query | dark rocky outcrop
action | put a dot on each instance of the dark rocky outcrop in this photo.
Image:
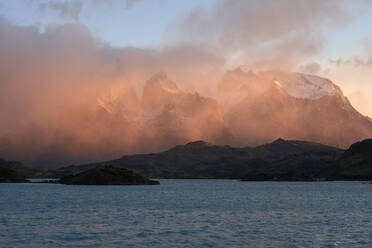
(356, 162)
(11, 176)
(22, 170)
(107, 175)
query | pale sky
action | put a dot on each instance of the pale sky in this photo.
(140, 23)
(144, 22)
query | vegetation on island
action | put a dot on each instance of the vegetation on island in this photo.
(107, 175)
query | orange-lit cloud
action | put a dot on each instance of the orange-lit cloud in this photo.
(66, 97)
(54, 90)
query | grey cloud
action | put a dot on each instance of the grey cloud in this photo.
(311, 68)
(285, 30)
(127, 3)
(72, 9)
(66, 9)
(355, 61)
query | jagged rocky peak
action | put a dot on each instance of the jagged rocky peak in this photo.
(237, 78)
(158, 91)
(160, 81)
(120, 97)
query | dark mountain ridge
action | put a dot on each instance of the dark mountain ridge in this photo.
(204, 160)
(281, 160)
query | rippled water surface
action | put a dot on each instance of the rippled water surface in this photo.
(187, 213)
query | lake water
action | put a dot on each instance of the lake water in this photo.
(187, 213)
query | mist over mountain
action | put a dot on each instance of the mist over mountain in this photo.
(267, 105)
(165, 115)
(249, 109)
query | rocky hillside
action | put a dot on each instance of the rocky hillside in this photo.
(20, 169)
(356, 162)
(204, 160)
(11, 176)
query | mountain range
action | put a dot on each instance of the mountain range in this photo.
(248, 109)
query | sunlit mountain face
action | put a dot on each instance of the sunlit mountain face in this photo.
(248, 109)
(291, 105)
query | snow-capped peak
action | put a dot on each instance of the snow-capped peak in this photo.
(306, 86)
(298, 85)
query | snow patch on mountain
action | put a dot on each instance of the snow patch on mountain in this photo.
(298, 85)
(306, 86)
(278, 84)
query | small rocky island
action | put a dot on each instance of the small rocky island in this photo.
(11, 176)
(107, 175)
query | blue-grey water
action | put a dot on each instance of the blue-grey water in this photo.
(187, 213)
